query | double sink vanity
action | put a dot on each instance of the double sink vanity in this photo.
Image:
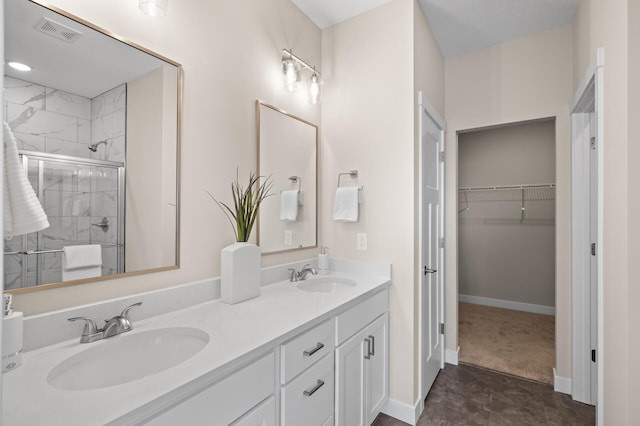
(312, 352)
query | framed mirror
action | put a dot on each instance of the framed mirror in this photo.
(288, 152)
(96, 122)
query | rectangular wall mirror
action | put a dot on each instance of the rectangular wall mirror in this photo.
(288, 152)
(97, 123)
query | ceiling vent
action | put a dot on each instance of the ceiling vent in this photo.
(56, 30)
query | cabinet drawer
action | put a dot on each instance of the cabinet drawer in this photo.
(225, 401)
(302, 351)
(350, 322)
(308, 399)
(263, 415)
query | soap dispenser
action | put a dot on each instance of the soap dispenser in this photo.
(11, 336)
(323, 261)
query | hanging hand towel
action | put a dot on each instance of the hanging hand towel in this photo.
(345, 208)
(83, 261)
(22, 213)
(289, 205)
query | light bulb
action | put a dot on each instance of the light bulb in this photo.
(314, 89)
(19, 66)
(154, 8)
(291, 72)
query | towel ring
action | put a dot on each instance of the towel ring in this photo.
(353, 174)
(297, 179)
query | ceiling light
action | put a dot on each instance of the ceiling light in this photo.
(154, 8)
(19, 66)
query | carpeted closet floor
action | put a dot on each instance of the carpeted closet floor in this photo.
(513, 342)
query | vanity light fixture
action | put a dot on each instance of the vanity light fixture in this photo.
(19, 66)
(291, 68)
(154, 8)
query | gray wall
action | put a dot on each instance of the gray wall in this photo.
(500, 255)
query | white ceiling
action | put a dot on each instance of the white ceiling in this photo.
(460, 26)
(89, 66)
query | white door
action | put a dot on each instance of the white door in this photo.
(432, 268)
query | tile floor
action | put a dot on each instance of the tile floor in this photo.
(466, 395)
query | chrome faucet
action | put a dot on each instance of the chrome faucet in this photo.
(112, 327)
(300, 276)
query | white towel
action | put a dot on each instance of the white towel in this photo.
(23, 213)
(345, 208)
(289, 205)
(83, 261)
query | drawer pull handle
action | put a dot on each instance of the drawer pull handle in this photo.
(368, 355)
(313, 390)
(373, 345)
(314, 350)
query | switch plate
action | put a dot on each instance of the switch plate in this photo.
(288, 237)
(362, 241)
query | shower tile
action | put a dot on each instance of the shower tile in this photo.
(109, 101)
(65, 147)
(119, 123)
(32, 280)
(52, 260)
(84, 179)
(23, 92)
(14, 244)
(84, 132)
(116, 150)
(59, 179)
(104, 179)
(104, 203)
(68, 103)
(42, 123)
(12, 263)
(61, 229)
(98, 235)
(84, 229)
(51, 276)
(101, 128)
(29, 142)
(12, 281)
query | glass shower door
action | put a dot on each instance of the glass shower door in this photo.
(83, 201)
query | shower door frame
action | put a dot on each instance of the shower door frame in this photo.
(41, 158)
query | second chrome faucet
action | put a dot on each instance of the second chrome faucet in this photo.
(112, 327)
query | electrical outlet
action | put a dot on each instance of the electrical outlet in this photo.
(362, 241)
(288, 238)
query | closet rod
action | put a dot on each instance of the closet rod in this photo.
(506, 187)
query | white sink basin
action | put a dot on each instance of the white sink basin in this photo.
(127, 357)
(324, 284)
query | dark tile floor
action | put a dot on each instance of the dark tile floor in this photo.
(467, 395)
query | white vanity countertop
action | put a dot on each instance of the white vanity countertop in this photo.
(237, 333)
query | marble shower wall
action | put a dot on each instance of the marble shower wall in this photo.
(75, 196)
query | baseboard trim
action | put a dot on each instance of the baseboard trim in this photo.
(561, 384)
(452, 357)
(403, 412)
(508, 304)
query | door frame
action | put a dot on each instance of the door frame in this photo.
(427, 106)
(588, 99)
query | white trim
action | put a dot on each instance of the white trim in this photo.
(404, 412)
(561, 384)
(452, 357)
(508, 304)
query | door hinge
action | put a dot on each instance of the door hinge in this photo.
(593, 355)
(593, 249)
(442, 156)
(441, 328)
(593, 142)
(441, 242)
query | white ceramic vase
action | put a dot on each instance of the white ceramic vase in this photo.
(240, 272)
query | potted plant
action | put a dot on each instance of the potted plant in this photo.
(240, 262)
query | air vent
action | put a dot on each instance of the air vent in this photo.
(56, 30)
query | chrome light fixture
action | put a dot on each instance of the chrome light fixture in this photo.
(154, 8)
(291, 69)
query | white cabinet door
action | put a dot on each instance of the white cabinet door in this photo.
(376, 370)
(350, 382)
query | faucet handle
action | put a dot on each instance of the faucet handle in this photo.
(90, 333)
(294, 275)
(125, 312)
(89, 326)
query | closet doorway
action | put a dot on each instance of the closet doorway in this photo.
(506, 244)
